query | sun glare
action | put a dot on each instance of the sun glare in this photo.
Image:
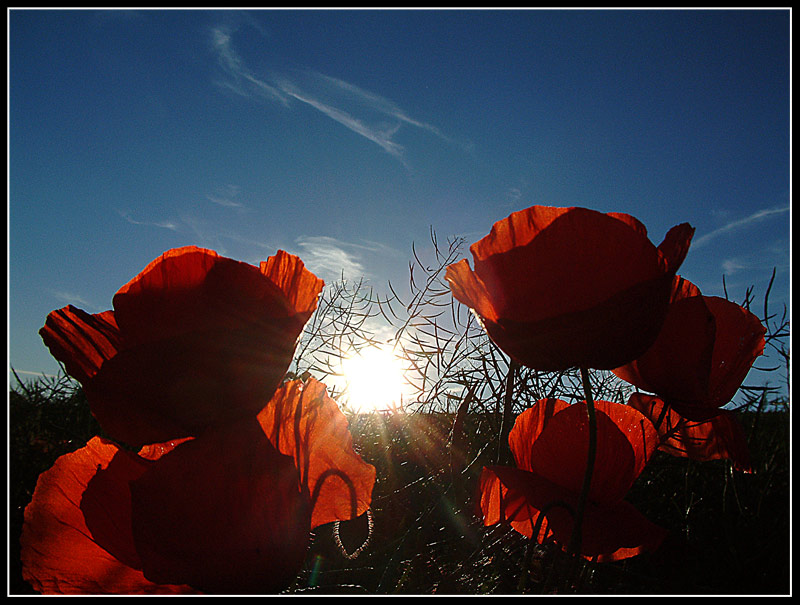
(375, 380)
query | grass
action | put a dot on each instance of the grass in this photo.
(730, 532)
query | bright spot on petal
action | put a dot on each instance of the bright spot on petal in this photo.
(375, 380)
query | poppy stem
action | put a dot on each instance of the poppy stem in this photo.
(576, 538)
(503, 448)
(661, 416)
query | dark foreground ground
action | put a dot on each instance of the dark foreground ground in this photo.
(730, 532)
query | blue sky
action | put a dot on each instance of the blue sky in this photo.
(344, 136)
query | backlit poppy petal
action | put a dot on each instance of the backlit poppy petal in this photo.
(182, 385)
(678, 364)
(77, 540)
(303, 422)
(542, 245)
(551, 478)
(527, 428)
(625, 443)
(518, 497)
(563, 287)
(618, 531)
(223, 512)
(610, 532)
(201, 339)
(721, 437)
(468, 288)
(675, 247)
(702, 354)
(300, 287)
(740, 340)
(83, 342)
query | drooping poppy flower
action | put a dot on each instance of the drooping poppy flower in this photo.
(550, 442)
(702, 354)
(721, 437)
(194, 340)
(229, 511)
(564, 287)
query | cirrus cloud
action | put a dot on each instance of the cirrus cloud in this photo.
(365, 113)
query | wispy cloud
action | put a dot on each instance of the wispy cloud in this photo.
(224, 196)
(738, 224)
(379, 104)
(333, 259)
(160, 224)
(382, 137)
(330, 258)
(239, 78)
(369, 115)
(733, 265)
(70, 298)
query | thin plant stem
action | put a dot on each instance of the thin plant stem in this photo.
(575, 540)
(503, 449)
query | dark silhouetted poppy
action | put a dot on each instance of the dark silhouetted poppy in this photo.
(549, 442)
(228, 511)
(194, 340)
(565, 287)
(721, 437)
(702, 354)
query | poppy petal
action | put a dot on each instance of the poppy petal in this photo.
(606, 313)
(721, 437)
(193, 288)
(625, 443)
(619, 531)
(620, 329)
(518, 497)
(194, 340)
(675, 247)
(77, 539)
(527, 428)
(468, 289)
(178, 387)
(303, 422)
(83, 342)
(223, 513)
(702, 355)
(632, 222)
(300, 287)
(609, 533)
(740, 340)
(678, 364)
(601, 253)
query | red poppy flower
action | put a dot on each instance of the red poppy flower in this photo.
(564, 287)
(721, 437)
(194, 340)
(701, 356)
(550, 443)
(226, 512)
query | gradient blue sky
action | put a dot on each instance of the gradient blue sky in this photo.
(344, 136)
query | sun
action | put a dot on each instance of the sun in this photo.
(375, 380)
